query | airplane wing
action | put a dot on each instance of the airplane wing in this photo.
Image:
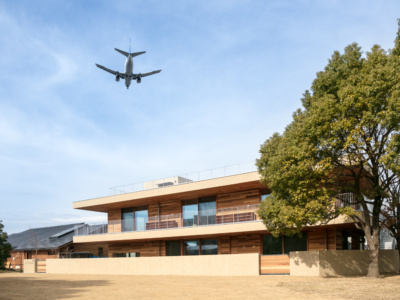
(146, 74)
(122, 75)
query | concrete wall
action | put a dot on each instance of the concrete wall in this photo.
(202, 265)
(340, 262)
(29, 266)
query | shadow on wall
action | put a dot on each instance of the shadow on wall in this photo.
(15, 287)
(310, 259)
(340, 263)
(356, 262)
(345, 263)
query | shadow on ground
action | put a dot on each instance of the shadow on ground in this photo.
(41, 287)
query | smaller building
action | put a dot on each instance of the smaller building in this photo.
(41, 243)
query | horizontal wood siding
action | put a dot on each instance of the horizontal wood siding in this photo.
(144, 248)
(250, 197)
(245, 244)
(274, 264)
(163, 248)
(152, 210)
(41, 266)
(339, 240)
(114, 215)
(316, 239)
(92, 248)
(170, 207)
(224, 245)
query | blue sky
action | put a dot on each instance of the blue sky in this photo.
(233, 72)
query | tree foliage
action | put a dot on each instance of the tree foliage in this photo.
(5, 247)
(345, 139)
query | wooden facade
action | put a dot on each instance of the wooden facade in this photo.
(227, 199)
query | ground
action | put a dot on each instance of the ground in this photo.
(50, 286)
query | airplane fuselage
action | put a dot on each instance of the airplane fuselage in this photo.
(128, 71)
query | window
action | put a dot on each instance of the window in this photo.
(141, 217)
(191, 247)
(127, 219)
(295, 243)
(207, 210)
(209, 247)
(190, 212)
(173, 248)
(199, 212)
(347, 239)
(100, 252)
(134, 219)
(132, 254)
(165, 184)
(272, 245)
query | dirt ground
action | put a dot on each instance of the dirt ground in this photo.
(49, 286)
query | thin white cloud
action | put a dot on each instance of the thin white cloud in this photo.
(233, 73)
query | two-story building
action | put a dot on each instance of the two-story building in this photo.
(180, 216)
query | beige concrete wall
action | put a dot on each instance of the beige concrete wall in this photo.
(29, 266)
(340, 263)
(304, 263)
(202, 265)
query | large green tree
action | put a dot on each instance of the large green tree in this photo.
(345, 139)
(5, 247)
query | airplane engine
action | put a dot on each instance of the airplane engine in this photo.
(117, 78)
(139, 80)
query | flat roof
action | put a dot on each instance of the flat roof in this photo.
(185, 191)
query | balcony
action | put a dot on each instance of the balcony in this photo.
(214, 217)
(348, 200)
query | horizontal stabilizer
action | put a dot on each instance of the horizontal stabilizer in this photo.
(131, 54)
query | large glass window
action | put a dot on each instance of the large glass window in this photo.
(207, 210)
(141, 217)
(199, 212)
(189, 212)
(134, 218)
(272, 245)
(209, 247)
(191, 247)
(295, 243)
(173, 248)
(127, 219)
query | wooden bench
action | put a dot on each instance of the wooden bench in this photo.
(234, 218)
(161, 225)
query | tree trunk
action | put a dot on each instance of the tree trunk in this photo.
(374, 246)
(373, 268)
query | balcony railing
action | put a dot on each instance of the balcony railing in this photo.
(348, 200)
(203, 218)
(185, 178)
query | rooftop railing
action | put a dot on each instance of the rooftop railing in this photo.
(185, 178)
(203, 218)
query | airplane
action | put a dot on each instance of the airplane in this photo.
(128, 75)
